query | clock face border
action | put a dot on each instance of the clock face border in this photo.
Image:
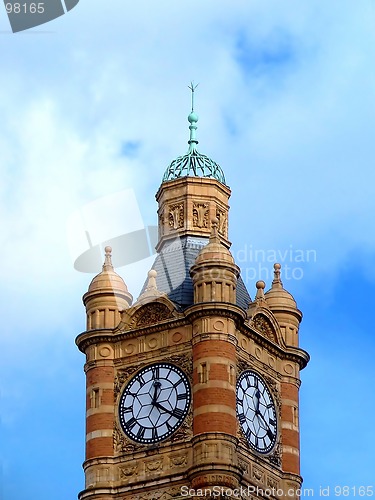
(256, 412)
(145, 421)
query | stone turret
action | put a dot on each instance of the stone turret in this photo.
(214, 273)
(106, 298)
(285, 309)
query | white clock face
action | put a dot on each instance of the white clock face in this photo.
(154, 403)
(256, 412)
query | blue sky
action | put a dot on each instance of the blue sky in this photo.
(96, 102)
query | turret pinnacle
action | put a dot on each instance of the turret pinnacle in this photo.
(193, 163)
(108, 266)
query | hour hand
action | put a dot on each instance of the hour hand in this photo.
(256, 401)
(156, 385)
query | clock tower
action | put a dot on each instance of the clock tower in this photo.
(193, 388)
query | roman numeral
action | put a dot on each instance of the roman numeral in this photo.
(127, 409)
(272, 422)
(241, 418)
(156, 372)
(141, 432)
(182, 396)
(270, 435)
(142, 381)
(269, 406)
(131, 423)
(178, 413)
(154, 433)
(178, 383)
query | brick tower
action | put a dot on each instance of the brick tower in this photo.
(194, 386)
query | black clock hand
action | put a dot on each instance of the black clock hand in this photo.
(267, 428)
(156, 385)
(174, 413)
(256, 398)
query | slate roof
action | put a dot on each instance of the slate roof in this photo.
(173, 265)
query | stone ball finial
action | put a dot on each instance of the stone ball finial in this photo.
(260, 284)
(108, 249)
(277, 266)
(152, 273)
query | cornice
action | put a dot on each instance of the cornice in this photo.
(225, 309)
(238, 315)
(87, 338)
(291, 353)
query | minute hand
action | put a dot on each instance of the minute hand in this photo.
(269, 432)
(171, 412)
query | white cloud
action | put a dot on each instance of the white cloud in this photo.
(295, 135)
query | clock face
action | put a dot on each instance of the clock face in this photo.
(256, 412)
(154, 403)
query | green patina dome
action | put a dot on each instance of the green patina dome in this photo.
(193, 163)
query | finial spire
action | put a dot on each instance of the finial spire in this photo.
(260, 285)
(192, 87)
(214, 236)
(277, 283)
(108, 266)
(151, 291)
(193, 118)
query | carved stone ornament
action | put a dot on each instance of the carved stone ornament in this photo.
(185, 431)
(242, 365)
(263, 325)
(154, 466)
(258, 475)
(275, 457)
(272, 482)
(151, 314)
(126, 472)
(161, 224)
(200, 215)
(241, 437)
(122, 376)
(178, 461)
(274, 390)
(122, 444)
(244, 466)
(223, 221)
(183, 361)
(176, 216)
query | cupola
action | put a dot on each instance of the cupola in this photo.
(284, 307)
(107, 297)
